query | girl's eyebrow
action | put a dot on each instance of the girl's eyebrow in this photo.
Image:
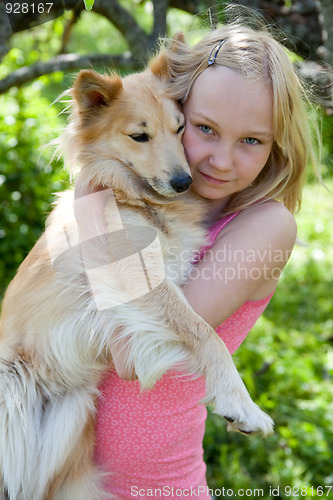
(202, 116)
(261, 133)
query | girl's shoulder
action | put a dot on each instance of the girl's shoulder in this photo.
(270, 218)
(262, 237)
(268, 225)
(270, 209)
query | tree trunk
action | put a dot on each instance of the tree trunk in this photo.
(327, 21)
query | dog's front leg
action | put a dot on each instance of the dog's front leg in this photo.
(209, 357)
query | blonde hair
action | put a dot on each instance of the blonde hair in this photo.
(257, 55)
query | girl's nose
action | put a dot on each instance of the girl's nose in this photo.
(222, 157)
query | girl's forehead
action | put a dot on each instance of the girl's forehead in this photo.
(223, 79)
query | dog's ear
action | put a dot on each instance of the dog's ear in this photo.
(178, 42)
(159, 64)
(92, 90)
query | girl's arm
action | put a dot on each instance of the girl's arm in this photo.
(245, 262)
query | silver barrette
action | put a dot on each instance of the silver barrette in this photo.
(215, 51)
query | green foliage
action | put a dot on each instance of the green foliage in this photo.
(93, 33)
(287, 364)
(27, 180)
(89, 4)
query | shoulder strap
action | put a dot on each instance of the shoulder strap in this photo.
(219, 225)
(214, 231)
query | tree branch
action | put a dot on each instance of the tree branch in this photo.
(75, 16)
(65, 62)
(121, 18)
(21, 20)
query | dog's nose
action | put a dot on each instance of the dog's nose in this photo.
(181, 183)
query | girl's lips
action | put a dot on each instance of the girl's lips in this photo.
(212, 180)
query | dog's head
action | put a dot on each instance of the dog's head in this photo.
(127, 134)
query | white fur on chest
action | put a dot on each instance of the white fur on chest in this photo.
(180, 241)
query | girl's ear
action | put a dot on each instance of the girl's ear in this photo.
(92, 90)
(159, 64)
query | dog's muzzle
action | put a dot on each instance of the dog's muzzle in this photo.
(181, 183)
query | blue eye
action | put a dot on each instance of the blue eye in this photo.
(205, 129)
(251, 140)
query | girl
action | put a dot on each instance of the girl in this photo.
(247, 143)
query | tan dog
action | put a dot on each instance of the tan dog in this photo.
(62, 309)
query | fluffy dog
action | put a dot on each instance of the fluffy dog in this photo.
(64, 307)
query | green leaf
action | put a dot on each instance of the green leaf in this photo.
(88, 4)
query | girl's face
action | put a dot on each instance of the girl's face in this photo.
(229, 132)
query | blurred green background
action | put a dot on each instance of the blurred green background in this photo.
(287, 360)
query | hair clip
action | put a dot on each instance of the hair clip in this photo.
(215, 50)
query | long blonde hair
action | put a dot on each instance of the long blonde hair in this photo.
(255, 54)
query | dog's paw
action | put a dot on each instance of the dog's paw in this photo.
(242, 414)
(233, 402)
(255, 422)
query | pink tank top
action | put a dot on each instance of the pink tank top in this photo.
(150, 443)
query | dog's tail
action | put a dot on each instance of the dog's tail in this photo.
(38, 428)
(20, 415)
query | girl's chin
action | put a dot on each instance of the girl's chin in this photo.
(212, 192)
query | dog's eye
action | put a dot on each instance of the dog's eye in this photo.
(181, 129)
(140, 137)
